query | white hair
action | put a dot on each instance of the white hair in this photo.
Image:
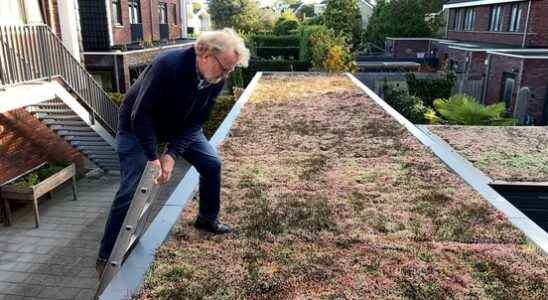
(221, 41)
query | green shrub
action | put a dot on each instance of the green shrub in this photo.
(223, 105)
(343, 16)
(116, 97)
(41, 174)
(465, 110)
(409, 106)
(285, 26)
(304, 42)
(430, 89)
(331, 52)
(263, 40)
(317, 20)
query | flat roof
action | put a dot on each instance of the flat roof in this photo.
(466, 3)
(334, 193)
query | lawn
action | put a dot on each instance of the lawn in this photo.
(333, 199)
(503, 153)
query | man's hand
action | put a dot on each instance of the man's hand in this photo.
(166, 163)
(159, 165)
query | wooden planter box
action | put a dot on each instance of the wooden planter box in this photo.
(13, 192)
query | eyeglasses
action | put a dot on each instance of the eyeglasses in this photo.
(225, 70)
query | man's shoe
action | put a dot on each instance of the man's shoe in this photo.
(100, 266)
(213, 227)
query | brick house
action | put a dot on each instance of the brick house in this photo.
(120, 37)
(502, 44)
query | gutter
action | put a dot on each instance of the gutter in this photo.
(526, 25)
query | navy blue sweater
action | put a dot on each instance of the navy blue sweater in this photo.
(165, 102)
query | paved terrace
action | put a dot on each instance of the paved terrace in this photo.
(57, 260)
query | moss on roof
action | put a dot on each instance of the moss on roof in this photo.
(335, 200)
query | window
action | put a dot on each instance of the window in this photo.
(116, 12)
(174, 13)
(495, 22)
(515, 18)
(469, 19)
(134, 12)
(455, 22)
(162, 12)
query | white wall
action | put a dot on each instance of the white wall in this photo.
(70, 26)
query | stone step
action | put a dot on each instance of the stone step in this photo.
(73, 128)
(76, 133)
(90, 143)
(57, 117)
(95, 138)
(64, 122)
(92, 149)
(51, 111)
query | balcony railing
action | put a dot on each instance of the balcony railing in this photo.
(34, 52)
(136, 32)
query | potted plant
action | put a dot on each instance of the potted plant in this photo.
(35, 184)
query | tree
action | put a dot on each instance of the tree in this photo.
(242, 15)
(397, 18)
(343, 16)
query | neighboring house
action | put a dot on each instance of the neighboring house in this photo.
(502, 44)
(63, 114)
(201, 21)
(366, 10)
(120, 37)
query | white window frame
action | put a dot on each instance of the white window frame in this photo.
(469, 19)
(515, 18)
(495, 18)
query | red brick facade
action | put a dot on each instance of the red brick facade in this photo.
(25, 143)
(499, 66)
(121, 34)
(537, 32)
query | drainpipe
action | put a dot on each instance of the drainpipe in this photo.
(151, 22)
(486, 79)
(183, 19)
(518, 85)
(447, 23)
(526, 25)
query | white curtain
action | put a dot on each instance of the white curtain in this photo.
(11, 12)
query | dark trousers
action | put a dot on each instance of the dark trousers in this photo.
(199, 153)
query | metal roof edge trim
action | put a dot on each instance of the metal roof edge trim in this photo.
(464, 169)
(128, 280)
(478, 3)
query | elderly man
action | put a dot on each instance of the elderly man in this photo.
(170, 102)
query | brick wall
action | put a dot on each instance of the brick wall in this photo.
(150, 22)
(25, 143)
(534, 77)
(538, 26)
(500, 65)
(537, 31)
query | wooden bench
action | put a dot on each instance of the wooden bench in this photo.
(11, 192)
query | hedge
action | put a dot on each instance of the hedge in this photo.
(304, 43)
(275, 40)
(273, 65)
(290, 53)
